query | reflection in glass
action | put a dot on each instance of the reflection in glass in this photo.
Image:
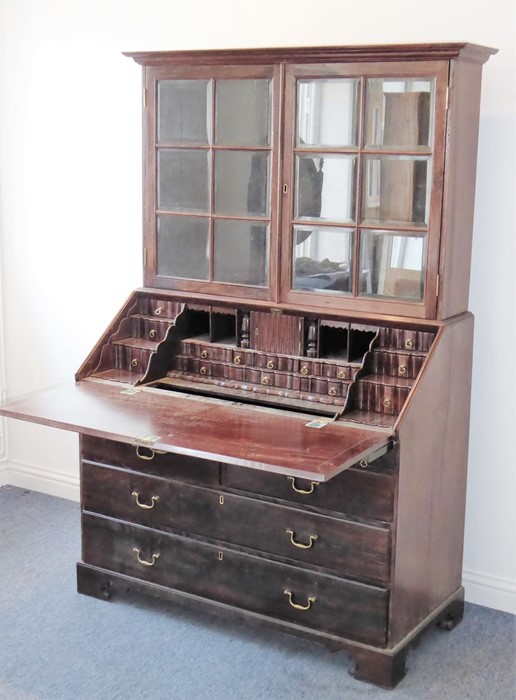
(322, 259)
(392, 265)
(399, 112)
(183, 180)
(241, 252)
(183, 111)
(396, 190)
(183, 247)
(325, 187)
(242, 112)
(327, 112)
(242, 183)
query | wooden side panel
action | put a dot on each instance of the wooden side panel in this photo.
(459, 188)
(433, 435)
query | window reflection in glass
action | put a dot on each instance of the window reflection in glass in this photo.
(325, 187)
(241, 252)
(183, 112)
(183, 180)
(242, 112)
(182, 246)
(327, 112)
(396, 190)
(322, 259)
(399, 112)
(392, 265)
(242, 183)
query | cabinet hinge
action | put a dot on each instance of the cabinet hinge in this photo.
(144, 98)
(447, 97)
(145, 257)
(437, 284)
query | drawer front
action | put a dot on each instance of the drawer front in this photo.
(355, 492)
(131, 359)
(145, 459)
(346, 608)
(343, 546)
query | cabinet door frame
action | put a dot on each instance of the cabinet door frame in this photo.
(153, 74)
(439, 70)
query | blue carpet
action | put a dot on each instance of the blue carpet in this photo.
(58, 645)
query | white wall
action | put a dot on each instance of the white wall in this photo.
(70, 205)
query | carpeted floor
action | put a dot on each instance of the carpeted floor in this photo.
(58, 645)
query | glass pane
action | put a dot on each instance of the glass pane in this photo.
(242, 183)
(183, 109)
(242, 112)
(183, 247)
(400, 112)
(396, 190)
(322, 259)
(327, 112)
(392, 266)
(325, 187)
(241, 252)
(183, 180)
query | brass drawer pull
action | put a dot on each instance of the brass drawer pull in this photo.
(204, 354)
(142, 561)
(364, 463)
(310, 490)
(152, 334)
(265, 380)
(158, 310)
(342, 374)
(333, 391)
(144, 505)
(304, 370)
(134, 363)
(237, 360)
(402, 369)
(270, 364)
(311, 540)
(203, 370)
(310, 600)
(152, 454)
(409, 344)
(387, 403)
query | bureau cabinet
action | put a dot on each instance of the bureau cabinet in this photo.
(275, 427)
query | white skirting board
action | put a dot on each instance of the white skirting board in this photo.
(481, 589)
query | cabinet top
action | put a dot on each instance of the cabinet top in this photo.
(462, 51)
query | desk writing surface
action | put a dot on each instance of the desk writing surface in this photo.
(248, 436)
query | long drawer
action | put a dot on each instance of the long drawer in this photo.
(366, 492)
(338, 606)
(146, 459)
(344, 546)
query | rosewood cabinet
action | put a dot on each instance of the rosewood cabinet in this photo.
(275, 426)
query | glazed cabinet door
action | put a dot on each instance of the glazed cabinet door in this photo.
(210, 204)
(362, 191)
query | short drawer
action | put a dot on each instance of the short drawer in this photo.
(344, 546)
(357, 491)
(338, 606)
(146, 459)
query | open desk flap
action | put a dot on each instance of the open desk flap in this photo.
(223, 431)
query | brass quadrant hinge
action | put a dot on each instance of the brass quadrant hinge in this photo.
(144, 98)
(447, 97)
(145, 257)
(437, 284)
